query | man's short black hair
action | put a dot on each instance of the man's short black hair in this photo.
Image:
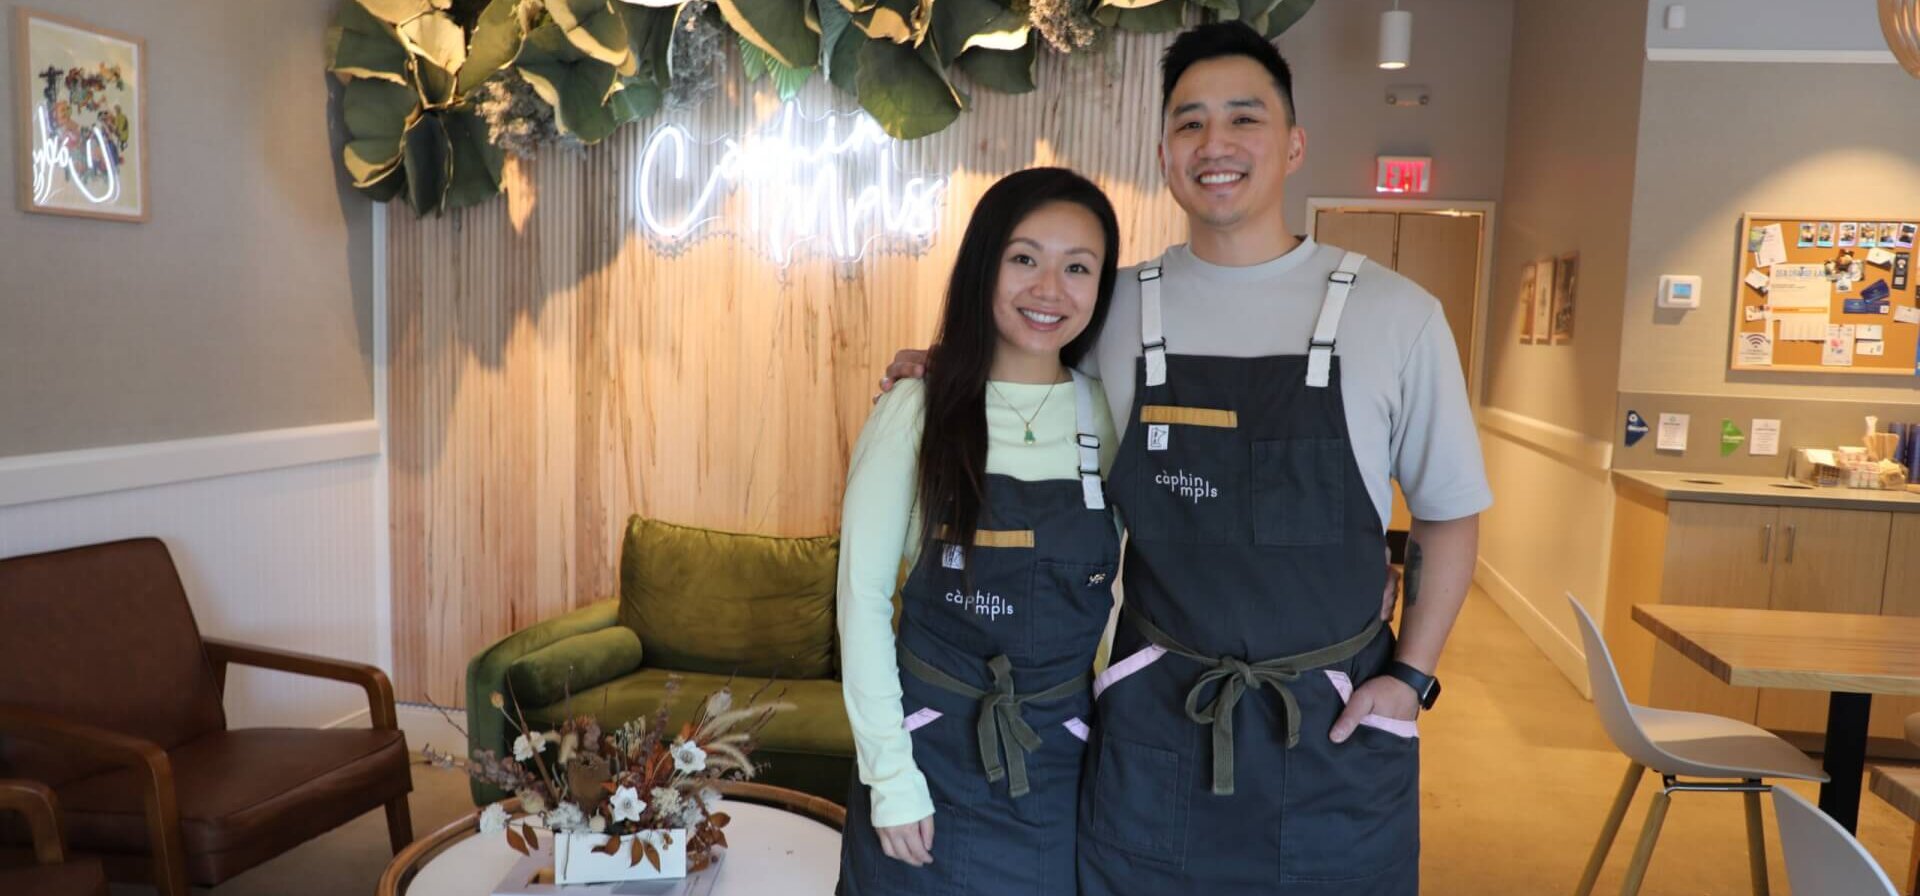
(1215, 40)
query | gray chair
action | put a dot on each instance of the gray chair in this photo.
(1821, 856)
(1733, 757)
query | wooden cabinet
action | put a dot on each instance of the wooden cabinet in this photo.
(1762, 556)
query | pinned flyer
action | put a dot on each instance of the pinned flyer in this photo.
(1880, 258)
(1906, 315)
(1756, 313)
(1673, 432)
(1870, 349)
(1758, 280)
(1773, 247)
(1837, 351)
(1756, 350)
(1766, 438)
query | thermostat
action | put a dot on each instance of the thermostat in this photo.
(1679, 292)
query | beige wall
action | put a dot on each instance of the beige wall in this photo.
(1569, 178)
(1796, 152)
(244, 303)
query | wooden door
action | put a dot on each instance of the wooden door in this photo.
(1832, 561)
(1900, 597)
(1718, 555)
(1369, 233)
(1442, 254)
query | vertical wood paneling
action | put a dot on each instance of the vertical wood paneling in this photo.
(553, 371)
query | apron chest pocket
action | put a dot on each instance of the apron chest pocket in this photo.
(1299, 492)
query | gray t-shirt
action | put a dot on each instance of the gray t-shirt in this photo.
(1406, 400)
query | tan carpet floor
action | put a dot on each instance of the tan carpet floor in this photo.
(1516, 777)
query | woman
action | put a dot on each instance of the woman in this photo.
(985, 477)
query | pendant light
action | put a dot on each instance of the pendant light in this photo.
(1396, 37)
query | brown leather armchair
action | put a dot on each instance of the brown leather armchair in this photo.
(109, 694)
(53, 875)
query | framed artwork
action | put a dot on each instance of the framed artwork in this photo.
(81, 119)
(1543, 302)
(1566, 277)
(1526, 304)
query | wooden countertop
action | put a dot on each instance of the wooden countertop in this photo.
(1789, 649)
(1713, 488)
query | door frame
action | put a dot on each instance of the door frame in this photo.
(1483, 278)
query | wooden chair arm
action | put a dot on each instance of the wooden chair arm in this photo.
(370, 679)
(147, 760)
(36, 801)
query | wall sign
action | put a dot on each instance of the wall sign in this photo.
(1403, 174)
(832, 186)
(81, 119)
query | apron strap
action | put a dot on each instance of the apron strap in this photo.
(1088, 440)
(1320, 349)
(1153, 342)
(1236, 675)
(999, 720)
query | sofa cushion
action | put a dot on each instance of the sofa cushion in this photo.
(574, 664)
(817, 724)
(716, 602)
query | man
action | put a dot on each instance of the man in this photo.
(1255, 731)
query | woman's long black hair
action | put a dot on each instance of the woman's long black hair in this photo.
(953, 442)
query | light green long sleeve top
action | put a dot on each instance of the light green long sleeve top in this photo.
(880, 529)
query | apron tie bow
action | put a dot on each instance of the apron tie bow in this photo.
(999, 728)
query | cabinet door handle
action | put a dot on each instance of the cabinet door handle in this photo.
(1766, 543)
(1793, 531)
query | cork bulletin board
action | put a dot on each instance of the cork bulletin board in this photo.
(1823, 295)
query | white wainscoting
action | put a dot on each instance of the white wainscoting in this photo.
(274, 535)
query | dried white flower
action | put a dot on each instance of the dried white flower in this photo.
(494, 819)
(627, 805)
(533, 802)
(525, 747)
(597, 824)
(569, 746)
(720, 702)
(568, 818)
(710, 799)
(667, 801)
(688, 757)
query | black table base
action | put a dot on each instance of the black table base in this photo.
(1845, 758)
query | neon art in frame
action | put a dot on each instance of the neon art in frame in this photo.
(834, 187)
(80, 119)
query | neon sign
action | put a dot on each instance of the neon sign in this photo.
(52, 154)
(834, 186)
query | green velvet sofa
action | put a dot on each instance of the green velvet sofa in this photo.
(705, 607)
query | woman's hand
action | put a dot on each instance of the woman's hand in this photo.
(911, 843)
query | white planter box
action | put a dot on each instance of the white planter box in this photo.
(576, 862)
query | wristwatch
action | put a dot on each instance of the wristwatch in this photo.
(1425, 686)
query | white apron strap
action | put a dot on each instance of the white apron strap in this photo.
(1088, 440)
(1152, 341)
(1320, 349)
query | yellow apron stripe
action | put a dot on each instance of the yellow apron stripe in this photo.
(995, 538)
(1162, 413)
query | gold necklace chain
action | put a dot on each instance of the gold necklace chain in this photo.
(1028, 438)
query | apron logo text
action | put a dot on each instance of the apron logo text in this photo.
(1187, 485)
(992, 606)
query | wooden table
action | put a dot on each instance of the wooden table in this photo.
(1852, 657)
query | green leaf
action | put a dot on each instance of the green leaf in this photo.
(1285, 15)
(755, 62)
(637, 99)
(494, 44)
(904, 91)
(361, 46)
(839, 45)
(789, 81)
(476, 161)
(1163, 16)
(961, 25)
(376, 113)
(429, 164)
(1227, 9)
(386, 188)
(397, 12)
(650, 36)
(575, 86)
(783, 28)
(900, 21)
(436, 38)
(594, 27)
(1007, 71)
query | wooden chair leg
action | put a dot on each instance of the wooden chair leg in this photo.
(399, 824)
(1643, 854)
(1756, 843)
(1610, 829)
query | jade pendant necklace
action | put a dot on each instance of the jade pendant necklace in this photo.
(1024, 418)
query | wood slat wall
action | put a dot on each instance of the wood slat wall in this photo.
(552, 371)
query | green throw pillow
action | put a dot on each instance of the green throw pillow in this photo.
(716, 602)
(571, 665)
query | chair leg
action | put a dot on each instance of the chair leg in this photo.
(1756, 843)
(399, 824)
(1643, 854)
(1611, 829)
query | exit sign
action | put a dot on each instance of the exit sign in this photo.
(1404, 174)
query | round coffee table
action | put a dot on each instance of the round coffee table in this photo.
(782, 841)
